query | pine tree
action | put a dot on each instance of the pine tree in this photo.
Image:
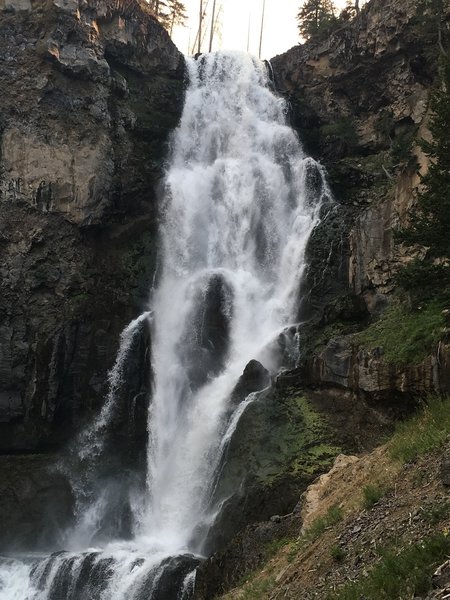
(177, 14)
(432, 14)
(315, 17)
(168, 12)
(349, 12)
(430, 223)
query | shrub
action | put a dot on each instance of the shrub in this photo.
(337, 553)
(372, 495)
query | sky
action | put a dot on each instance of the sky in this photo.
(280, 31)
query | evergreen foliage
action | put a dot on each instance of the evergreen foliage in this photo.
(168, 12)
(315, 17)
(432, 19)
(430, 224)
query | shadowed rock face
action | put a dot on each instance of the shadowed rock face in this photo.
(355, 98)
(208, 332)
(90, 92)
(254, 378)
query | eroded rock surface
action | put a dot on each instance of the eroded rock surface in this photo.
(359, 101)
(90, 92)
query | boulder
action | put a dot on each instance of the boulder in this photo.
(254, 378)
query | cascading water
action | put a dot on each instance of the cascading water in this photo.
(241, 200)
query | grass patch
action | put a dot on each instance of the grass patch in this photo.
(406, 336)
(255, 590)
(372, 495)
(424, 432)
(337, 553)
(436, 513)
(317, 528)
(401, 575)
(273, 547)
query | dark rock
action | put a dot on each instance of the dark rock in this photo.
(90, 94)
(167, 582)
(441, 577)
(351, 96)
(254, 378)
(246, 552)
(206, 339)
(36, 502)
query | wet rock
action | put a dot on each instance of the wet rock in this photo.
(90, 93)
(245, 553)
(254, 378)
(353, 258)
(205, 350)
(36, 502)
(168, 580)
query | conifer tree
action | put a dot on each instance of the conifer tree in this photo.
(430, 223)
(176, 14)
(168, 12)
(315, 17)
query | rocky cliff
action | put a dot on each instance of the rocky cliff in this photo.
(90, 92)
(359, 100)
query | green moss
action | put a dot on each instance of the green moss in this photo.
(298, 442)
(424, 432)
(400, 575)
(406, 336)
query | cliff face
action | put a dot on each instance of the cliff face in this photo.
(359, 101)
(90, 92)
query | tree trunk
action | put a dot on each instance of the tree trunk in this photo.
(213, 18)
(200, 28)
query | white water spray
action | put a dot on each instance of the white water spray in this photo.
(236, 223)
(241, 202)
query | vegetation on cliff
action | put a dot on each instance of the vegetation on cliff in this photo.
(378, 527)
(406, 335)
(317, 18)
(429, 277)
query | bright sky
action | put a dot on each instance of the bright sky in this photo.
(280, 31)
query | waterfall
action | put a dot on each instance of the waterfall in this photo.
(241, 200)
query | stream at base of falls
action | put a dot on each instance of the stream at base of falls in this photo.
(240, 202)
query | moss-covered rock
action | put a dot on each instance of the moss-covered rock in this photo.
(280, 445)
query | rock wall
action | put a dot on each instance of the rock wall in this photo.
(359, 101)
(90, 92)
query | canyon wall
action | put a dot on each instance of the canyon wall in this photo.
(359, 101)
(90, 92)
